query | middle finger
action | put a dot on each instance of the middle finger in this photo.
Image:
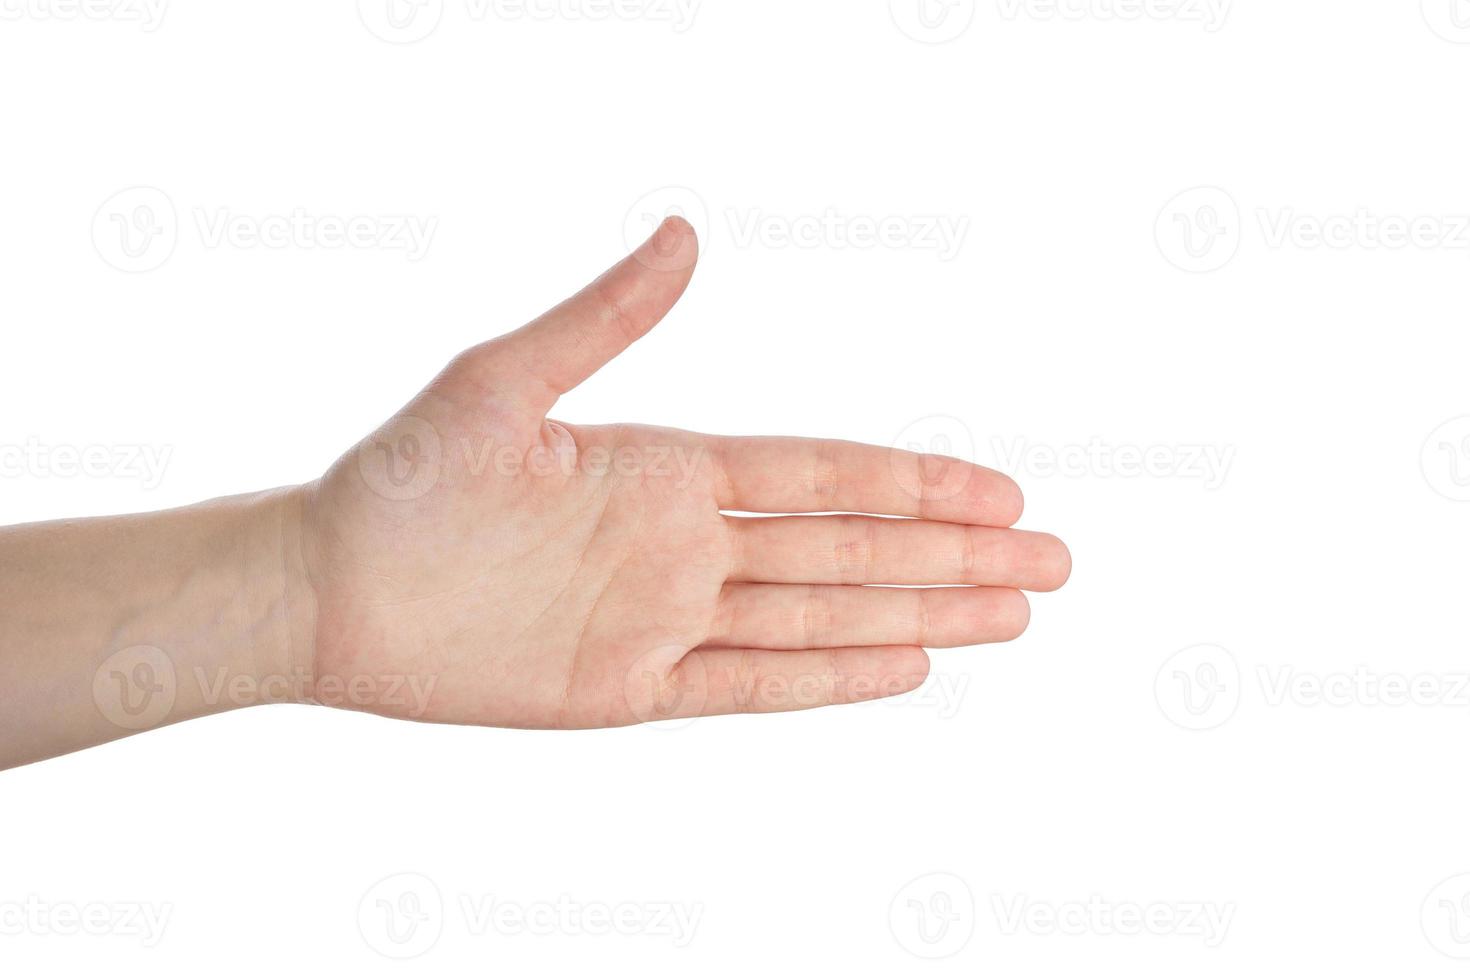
(858, 550)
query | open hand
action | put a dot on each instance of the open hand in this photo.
(530, 573)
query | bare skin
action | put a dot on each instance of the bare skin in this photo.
(475, 562)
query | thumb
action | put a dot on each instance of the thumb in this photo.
(559, 350)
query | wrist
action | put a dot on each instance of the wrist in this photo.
(251, 612)
(200, 611)
(285, 613)
(263, 648)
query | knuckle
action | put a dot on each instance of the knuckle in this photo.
(853, 553)
(816, 618)
(745, 682)
(969, 554)
(615, 303)
(824, 475)
(923, 616)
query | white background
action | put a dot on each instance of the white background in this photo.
(1064, 768)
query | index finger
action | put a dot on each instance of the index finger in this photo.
(776, 475)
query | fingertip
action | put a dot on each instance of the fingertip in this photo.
(909, 667)
(1016, 616)
(1008, 500)
(675, 228)
(876, 673)
(1058, 564)
(672, 248)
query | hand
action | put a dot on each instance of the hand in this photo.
(517, 571)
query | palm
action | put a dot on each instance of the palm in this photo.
(530, 598)
(543, 575)
(646, 585)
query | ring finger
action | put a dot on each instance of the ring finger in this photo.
(803, 617)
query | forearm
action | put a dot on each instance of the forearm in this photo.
(116, 625)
